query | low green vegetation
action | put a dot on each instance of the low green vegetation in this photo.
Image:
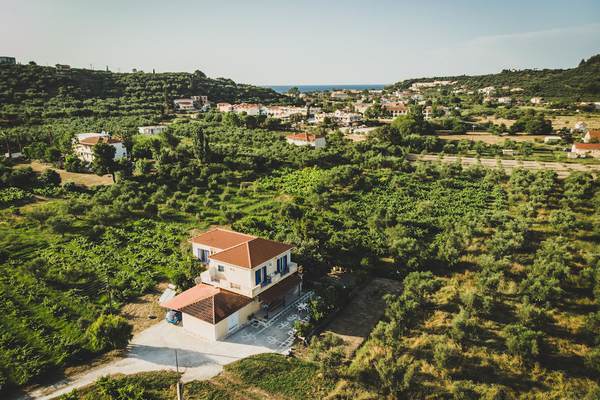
(500, 273)
(290, 378)
(256, 377)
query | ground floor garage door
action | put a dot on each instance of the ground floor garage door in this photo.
(233, 322)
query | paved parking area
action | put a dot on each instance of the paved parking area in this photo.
(154, 349)
(277, 333)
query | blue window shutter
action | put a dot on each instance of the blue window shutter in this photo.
(278, 265)
(257, 276)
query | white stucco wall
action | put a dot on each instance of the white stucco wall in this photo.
(198, 327)
(86, 153)
(244, 277)
(220, 330)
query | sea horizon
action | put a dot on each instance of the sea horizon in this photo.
(326, 87)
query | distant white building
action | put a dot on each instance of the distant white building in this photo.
(339, 95)
(200, 100)
(285, 112)
(224, 107)
(194, 103)
(552, 139)
(83, 145)
(7, 60)
(580, 126)
(396, 109)
(13, 155)
(346, 118)
(536, 100)
(306, 139)
(585, 149)
(505, 100)
(592, 136)
(184, 105)
(152, 130)
(250, 109)
(426, 85)
(488, 90)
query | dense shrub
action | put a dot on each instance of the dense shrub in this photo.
(108, 332)
(522, 341)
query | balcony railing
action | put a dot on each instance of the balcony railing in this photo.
(266, 281)
(274, 278)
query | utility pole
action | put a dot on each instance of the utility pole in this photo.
(179, 383)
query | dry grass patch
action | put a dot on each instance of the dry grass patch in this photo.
(87, 180)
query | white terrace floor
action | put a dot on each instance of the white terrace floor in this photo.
(277, 333)
(154, 349)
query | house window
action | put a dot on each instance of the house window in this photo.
(257, 276)
(220, 268)
(235, 286)
(282, 265)
(203, 254)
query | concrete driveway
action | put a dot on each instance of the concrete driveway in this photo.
(154, 349)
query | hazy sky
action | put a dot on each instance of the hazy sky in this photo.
(302, 42)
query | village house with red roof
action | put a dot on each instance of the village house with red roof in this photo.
(586, 149)
(246, 277)
(592, 136)
(307, 139)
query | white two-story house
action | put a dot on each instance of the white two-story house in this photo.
(83, 145)
(246, 276)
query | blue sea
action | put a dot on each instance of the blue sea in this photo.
(324, 88)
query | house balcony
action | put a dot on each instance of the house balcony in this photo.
(213, 280)
(274, 279)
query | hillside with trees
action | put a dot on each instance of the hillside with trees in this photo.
(33, 95)
(578, 84)
(499, 273)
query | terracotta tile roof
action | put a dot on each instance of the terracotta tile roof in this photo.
(94, 140)
(587, 146)
(251, 253)
(594, 133)
(221, 238)
(207, 303)
(190, 296)
(306, 137)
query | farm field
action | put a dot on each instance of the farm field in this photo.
(87, 179)
(439, 266)
(488, 138)
(558, 121)
(568, 121)
(561, 169)
(354, 324)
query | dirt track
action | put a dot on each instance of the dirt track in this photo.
(562, 169)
